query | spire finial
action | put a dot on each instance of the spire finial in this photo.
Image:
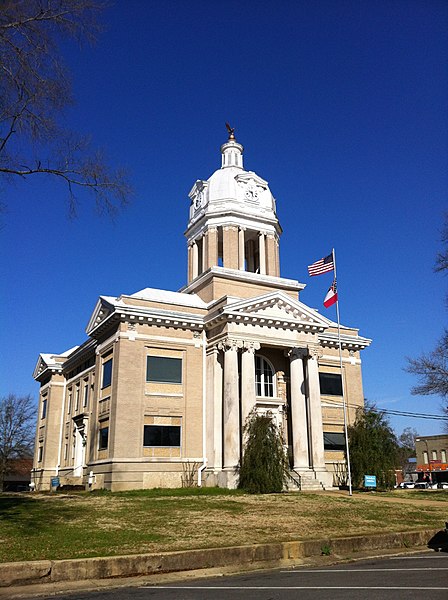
(231, 131)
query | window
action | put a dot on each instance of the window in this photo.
(69, 404)
(77, 399)
(161, 369)
(40, 453)
(443, 453)
(264, 378)
(86, 394)
(330, 384)
(103, 440)
(44, 408)
(425, 457)
(334, 441)
(434, 455)
(161, 435)
(107, 373)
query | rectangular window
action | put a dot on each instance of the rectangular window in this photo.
(434, 455)
(161, 435)
(103, 439)
(44, 408)
(425, 457)
(334, 441)
(86, 394)
(443, 453)
(162, 369)
(40, 453)
(107, 373)
(330, 384)
(66, 452)
(69, 404)
(77, 399)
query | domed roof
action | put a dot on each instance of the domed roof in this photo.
(231, 190)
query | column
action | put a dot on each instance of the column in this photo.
(248, 379)
(214, 409)
(241, 256)
(195, 260)
(298, 410)
(315, 410)
(262, 253)
(230, 247)
(190, 262)
(231, 416)
(271, 267)
(212, 247)
(205, 252)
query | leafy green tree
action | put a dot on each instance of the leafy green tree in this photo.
(373, 448)
(263, 468)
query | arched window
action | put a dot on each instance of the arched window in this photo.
(264, 378)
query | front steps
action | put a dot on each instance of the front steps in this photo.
(298, 482)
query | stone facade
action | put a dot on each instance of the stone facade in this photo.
(159, 393)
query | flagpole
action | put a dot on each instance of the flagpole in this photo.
(342, 385)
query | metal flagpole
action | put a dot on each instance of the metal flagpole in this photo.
(342, 384)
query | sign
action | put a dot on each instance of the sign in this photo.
(369, 480)
(55, 482)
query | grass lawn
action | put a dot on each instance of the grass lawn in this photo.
(75, 525)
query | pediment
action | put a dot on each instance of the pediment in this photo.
(276, 308)
(102, 311)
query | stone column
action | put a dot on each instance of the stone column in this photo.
(205, 252)
(241, 256)
(248, 379)
(195, 260)
(271, 255)
(214, 409)
(190, 262)
(315, 410)
(298, 410)
(212, 249)
(230, 247)
(262, 253)
(231, 416)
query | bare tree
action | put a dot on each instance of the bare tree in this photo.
(432, 368)
(34, 90)
(17, 424)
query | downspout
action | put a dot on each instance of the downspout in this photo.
(204, 420)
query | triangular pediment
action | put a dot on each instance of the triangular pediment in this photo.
(276, 307)
(102, 310)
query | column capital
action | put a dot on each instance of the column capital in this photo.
(294, 353)
(229, 344)
(251, 346)
(314, 351)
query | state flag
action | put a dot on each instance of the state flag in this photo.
(332, 295)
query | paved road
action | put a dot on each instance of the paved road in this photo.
(400, 578)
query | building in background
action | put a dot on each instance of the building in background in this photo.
(158, 394)
(432, 463)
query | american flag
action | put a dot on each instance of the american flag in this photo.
(324, 265)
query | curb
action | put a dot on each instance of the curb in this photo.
(46, 571)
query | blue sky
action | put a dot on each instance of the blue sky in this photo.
(341, 107)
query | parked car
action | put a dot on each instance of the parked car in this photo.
(421, 485)
(406, 485)
(443, 485)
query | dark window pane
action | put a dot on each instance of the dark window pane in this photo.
(103, 438)
(334, 441)
(44, 408)
(164, 370)
(161, 435)
(107, 373)
(330, 384)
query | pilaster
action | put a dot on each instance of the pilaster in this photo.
(231, 416)
(298, 409)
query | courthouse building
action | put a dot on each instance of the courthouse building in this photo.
(158, 394)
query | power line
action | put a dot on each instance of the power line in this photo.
(399, 413)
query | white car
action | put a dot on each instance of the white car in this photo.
(406, 485)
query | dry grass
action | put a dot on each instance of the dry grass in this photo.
(55, 526)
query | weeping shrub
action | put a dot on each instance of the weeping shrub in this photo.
(263, 468)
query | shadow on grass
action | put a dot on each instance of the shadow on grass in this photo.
(32, 516)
